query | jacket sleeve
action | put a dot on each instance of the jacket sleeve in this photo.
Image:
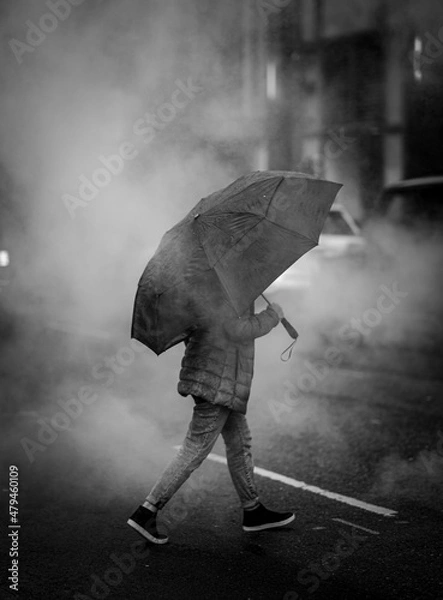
(246, 329)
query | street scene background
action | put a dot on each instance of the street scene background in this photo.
(116, 118)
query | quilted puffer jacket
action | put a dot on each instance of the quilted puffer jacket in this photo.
(218, 364)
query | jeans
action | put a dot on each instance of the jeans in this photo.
(208, 421)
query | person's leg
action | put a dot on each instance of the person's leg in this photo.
(205, 427)
(207, 422)
(237, 438)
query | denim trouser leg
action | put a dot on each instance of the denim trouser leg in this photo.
(237, 438)
(205, 427)
(208, 421)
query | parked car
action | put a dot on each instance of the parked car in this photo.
(406, 229)
(340, 240)
(411, 202)
(406, 212)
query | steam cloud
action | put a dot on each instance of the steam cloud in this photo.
(86, 94)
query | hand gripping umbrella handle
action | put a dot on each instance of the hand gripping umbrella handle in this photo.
(294, 335)
(292, 332)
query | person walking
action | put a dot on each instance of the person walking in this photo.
(217, 371)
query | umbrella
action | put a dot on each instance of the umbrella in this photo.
(230, 247)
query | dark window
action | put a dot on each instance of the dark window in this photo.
(408, 206)
(353, 78)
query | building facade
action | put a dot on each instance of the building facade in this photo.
(352, 90)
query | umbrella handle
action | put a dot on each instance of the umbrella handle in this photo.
(294, 335)
(291, 330)
(286, 324)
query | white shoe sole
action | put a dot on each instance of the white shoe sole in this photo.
(145, 533)
(269, 525)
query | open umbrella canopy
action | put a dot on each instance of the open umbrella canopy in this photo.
(230, 247)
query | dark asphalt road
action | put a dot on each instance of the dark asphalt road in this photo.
(371, 435)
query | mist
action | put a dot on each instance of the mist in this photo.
(82, 100)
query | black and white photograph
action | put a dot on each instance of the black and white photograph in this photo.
(221, 299)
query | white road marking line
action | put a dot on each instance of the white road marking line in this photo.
(379, 510)
(357, 526)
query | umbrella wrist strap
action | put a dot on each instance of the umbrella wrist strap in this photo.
(289, 351)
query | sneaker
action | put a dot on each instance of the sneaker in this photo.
(144, 522)
(261, 518)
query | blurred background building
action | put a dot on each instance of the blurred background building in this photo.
(351, 90)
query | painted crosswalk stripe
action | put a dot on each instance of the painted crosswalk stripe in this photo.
(357, 526)
(301, 485)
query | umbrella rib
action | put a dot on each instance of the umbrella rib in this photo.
(225, 266)
(214, 267)
(219, 228)
(295, 233)
(240, 239)
(208, 214)
(225, 289)
(263, 218)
